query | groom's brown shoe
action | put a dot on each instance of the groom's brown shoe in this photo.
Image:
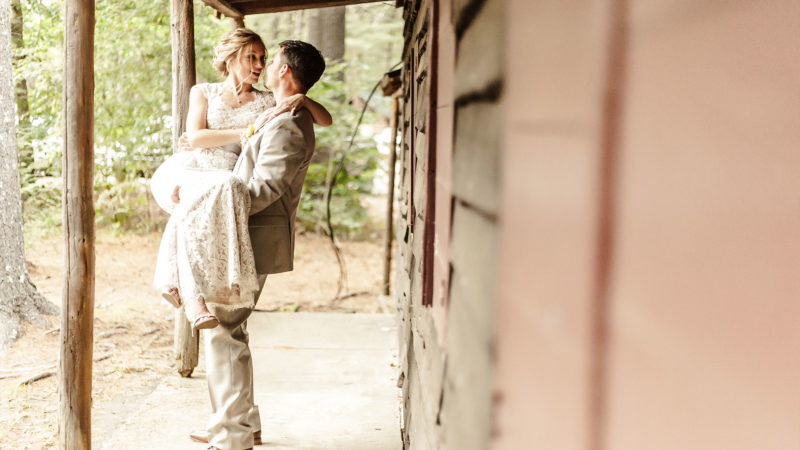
(202, 436)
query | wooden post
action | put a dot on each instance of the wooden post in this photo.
(77, 313)
(183, 78)
(183, 70)
(390, 200)
(236, 22)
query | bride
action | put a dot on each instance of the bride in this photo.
(205, 255)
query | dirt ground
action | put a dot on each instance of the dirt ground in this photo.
(133, 327)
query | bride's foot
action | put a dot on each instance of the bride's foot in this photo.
(172, 297)
(199, 315)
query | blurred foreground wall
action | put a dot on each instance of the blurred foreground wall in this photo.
(599, 243)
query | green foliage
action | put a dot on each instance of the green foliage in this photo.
(347, 213)
(373, 43)
(132, 85)
(40, 62)
(41, 208)
(128, 206)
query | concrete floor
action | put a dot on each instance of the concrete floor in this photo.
(323, 381)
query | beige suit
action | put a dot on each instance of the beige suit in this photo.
(273, 164)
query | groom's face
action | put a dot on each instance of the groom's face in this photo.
(273, 70)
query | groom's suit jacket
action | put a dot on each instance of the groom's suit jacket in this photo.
(273, 164)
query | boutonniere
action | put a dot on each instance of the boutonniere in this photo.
(247, 133)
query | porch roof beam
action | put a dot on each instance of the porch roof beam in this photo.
(225, 8)
(239, 8)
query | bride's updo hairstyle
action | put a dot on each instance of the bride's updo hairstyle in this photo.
(231, 45)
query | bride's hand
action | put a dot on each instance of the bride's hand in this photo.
(183, 143)
(176, 194)
(291, 104)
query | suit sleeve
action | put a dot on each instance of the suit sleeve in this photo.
(280, 155)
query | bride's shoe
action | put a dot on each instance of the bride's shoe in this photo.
(205, 321)
(172, 297)
(200, 317)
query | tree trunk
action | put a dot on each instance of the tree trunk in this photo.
(326, 31)
(19, 299)
(25, 151)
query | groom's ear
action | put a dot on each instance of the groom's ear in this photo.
(284, 70)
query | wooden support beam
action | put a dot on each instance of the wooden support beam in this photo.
(236, 22)
(77, 313)
(183, 62)
(224, 7)
(387, 241)
(183, 78)
(268, 6)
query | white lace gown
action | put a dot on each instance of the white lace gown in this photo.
(205, 249)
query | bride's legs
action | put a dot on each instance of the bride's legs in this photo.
(166, 270)
(198, 314)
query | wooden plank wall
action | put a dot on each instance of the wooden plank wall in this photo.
(648, 294)
(646, 290)
(552, 165)
(705, 324)
(447, 373)
(421, 356)
(466, 406)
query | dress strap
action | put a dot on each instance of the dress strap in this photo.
(210, 90)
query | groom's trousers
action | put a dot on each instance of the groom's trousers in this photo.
(229, 371)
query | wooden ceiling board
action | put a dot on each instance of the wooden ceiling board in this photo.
(240, 8)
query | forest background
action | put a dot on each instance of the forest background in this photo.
(133, 122)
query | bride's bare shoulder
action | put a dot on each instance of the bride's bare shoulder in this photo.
(207, 89)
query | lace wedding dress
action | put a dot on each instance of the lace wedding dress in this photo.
(205, 249)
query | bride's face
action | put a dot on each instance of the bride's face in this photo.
(247, 67)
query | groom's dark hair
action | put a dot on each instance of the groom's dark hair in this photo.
(305, 60)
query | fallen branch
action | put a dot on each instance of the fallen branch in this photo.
(106, 334)
(38, 377)
(352, 294)
(21, 370)
(151, 331)
(14, 373)
(102, 357)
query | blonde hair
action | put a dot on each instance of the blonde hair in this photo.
(231, 45)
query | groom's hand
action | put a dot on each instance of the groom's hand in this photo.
(176, 194)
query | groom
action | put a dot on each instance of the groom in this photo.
(273, 163)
